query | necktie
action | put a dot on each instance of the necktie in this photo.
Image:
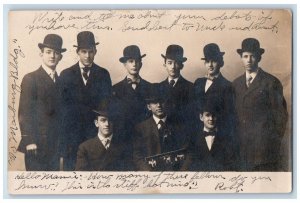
(85, 72)
(248, 81)
(161, 125)
(55, 77)
(212, 133)
(106, 143)
(133, 83)
(172, 82)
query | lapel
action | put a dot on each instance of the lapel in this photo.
(77, 75)
(256, 83)
(154, 136)
(217, 83)
(92, 77)
(45, 79)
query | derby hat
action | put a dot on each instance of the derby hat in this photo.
(131, 52)
(86, 40)
(155, 94)
(250, 45)
(52, 41)
(107, 107)
(174, 52)
(212, 52)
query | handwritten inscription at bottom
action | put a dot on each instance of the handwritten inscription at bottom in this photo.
(142, 182)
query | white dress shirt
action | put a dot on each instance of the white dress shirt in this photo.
(175, 80)
(104, 139)
(209, 139)
(158, 119)
(253, 75)
(49, 71)
(209, 82)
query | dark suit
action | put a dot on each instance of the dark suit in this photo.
(221, 157)
(92, 156)
(148, 143)
(39, 118)
(221, 94)
(179, 98)
(262, 117)
(79, 100)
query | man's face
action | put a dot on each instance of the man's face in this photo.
(157, 108)
(86, 56)
(209, 120)
(250, 61)
(133, 66)
(104, 125)
(173, 68)
(50, 57)
(213, 68)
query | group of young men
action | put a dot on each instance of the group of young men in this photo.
(209, 125)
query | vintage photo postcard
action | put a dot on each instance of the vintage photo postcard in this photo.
(150, 101)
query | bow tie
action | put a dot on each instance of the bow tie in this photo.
(212, 133)
(210, 78)
(130, 81)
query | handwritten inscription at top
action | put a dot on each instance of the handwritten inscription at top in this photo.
(156, 20)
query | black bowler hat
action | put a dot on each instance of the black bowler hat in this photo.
(154, 94)
(251, 45)
(107, 107)
(52, 41)
(174, 52)
(131, 52)
(212, 52)
(86, 40)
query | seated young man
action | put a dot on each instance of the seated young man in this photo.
(157, 140)
(106, 151)
(209, 148)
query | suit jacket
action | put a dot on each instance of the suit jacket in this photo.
(147, 142)
(39, 113)
(179, 98)
(78, 101)
(222, 95)
(221, 157)
(262, 117)
(134, 106)
(93, 156)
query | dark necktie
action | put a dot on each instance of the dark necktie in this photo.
(133, 83)
(172, 82)
(212, 133)
(248, 81)
(85, 72)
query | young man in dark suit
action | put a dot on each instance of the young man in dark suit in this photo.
(176, 87)
(261, 112)
(209, 148)
(40, 109)
(106, 151)
(85, 84)
(157, 135)
(215, 88)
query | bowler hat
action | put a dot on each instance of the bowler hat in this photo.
(174, 52)
(251, 45)
(212, 52)
(52, 41)
(86, 40)
(106, 107)
(154, 94)
(131, 52)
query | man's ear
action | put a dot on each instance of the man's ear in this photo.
(148, 106)
(96, 123)
(201, 116)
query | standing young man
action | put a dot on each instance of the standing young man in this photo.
(40, 109)
(85, 84)
(261, 112)
(178, 90)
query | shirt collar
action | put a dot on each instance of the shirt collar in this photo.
(158, 119)
(138, 79)
(175, 79)
(216, 76)
(102, 138)
(82, 66)
(48, 70)
(208, 130)
(253, 74)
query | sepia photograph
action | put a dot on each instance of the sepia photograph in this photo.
(150, 101)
